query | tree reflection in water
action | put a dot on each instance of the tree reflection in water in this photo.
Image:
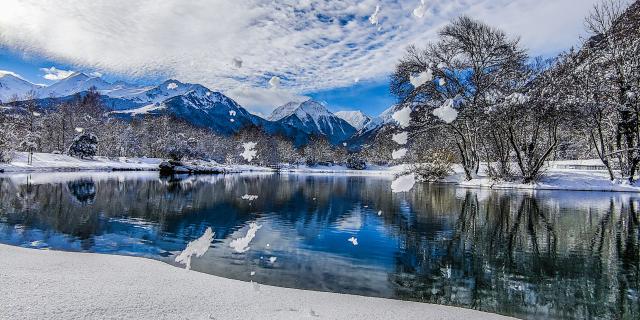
(527, 254)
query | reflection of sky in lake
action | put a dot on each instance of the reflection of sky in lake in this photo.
(523, 253)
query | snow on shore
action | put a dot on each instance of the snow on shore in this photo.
(559, 175)
(59, 162)
(45, 284)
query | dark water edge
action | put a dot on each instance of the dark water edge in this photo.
(529, 254)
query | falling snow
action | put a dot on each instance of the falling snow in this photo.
(196, 247)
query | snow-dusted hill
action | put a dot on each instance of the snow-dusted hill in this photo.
(199, 106)
(356, 119)
(314, 119)
(12, 86)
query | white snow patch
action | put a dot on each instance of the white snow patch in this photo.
(422, 78)
(420, 10)
(446, 112)
(403, 117)
(400, 138)
(232, 113)
(79, 130)
(399, 154)
(374, 17)
(353, 241)
(273, 259)
(196, 247)
(241, 245)
(249, 152)
(172, 86)
(274, 83)
(249, 197)
(232, 120)
(403, 183)
(380, 212)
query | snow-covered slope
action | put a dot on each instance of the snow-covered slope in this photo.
(356, 119)
(77, 82)
(369, 131)
(12, 86)
(199, 106)
(313, 118)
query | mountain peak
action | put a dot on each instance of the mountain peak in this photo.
(301, 109)
(313, 118)
(357, 118)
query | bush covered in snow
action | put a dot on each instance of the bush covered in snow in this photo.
(84, 146)
(433, 165)
(354, 162)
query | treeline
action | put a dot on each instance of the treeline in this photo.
(477, 93)
(27, 127)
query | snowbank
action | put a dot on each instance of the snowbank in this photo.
(66, 285)
(59, 162)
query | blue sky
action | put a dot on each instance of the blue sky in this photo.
(261, 53)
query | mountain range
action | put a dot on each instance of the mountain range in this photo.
(202, 107)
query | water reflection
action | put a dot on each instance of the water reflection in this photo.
(527, 254)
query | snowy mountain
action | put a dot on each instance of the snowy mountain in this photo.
(12, 86)
(313, 118)
(76, 82)
(356, 119)
(369, 131)
(198, 106)
(193, 103)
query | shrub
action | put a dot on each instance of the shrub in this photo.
(84, 146)
(433, 165)
(355, 163)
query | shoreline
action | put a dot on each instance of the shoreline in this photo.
(554, 179)
(58, 284)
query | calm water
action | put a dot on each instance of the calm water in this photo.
(530, 255)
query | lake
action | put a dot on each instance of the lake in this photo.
(542, 254)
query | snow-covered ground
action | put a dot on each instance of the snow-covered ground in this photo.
(559, 175)
(59, 162)
(41, 284)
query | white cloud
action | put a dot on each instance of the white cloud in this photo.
(315, 44)
(262, 101)
(55, 74)
(274, 83)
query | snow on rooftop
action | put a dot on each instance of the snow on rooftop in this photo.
(196, 247)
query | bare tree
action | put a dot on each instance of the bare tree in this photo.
(463, 69)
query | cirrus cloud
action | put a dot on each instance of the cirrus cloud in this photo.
(313, 44)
